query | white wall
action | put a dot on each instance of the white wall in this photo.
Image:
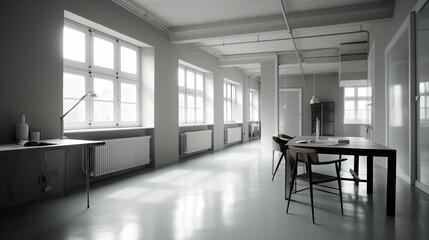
(31, 83)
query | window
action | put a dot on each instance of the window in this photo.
(191, 95)
(357, 108)
(253, 106)
(229, 100)
(109, 67)
(424, 101)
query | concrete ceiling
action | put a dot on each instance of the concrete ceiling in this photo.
(244, 33)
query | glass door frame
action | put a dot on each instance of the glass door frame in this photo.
(408, 26)
(419, 6)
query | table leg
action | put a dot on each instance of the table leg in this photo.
(356, 167)
(87, 156)
(369, 175)
(391, 184)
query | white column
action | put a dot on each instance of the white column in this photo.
(269, 101)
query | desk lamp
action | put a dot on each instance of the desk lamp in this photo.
(88, 94)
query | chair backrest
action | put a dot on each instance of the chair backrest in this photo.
(279, 144)
(282, 135)
(304, 154)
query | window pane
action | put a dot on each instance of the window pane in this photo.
(200, 83)
(128, 60)
(362, 105)
(181, 115)
(181, 77)
(103, 111)
(104, 89)
(190, 101)
(233, 92)
(349, 92)
(128, 112)
(224, 90)
(190, 80)
(74, 46)
(349, 115)
(362, 92)
(181, 100)
(229, 109)
(74, 85)
(200, 102)
(78, 114)
(190, 115)
(103, 53)
(228, 91)
(349, 105)
(200, 115)
(361, 115)
(128, 93)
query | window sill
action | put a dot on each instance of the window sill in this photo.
(105, 129)
(195, 124)
(232, 123)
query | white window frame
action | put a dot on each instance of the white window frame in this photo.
(356, 98)
(231, 98)
(423, 114)
(115, 74)
(197, 93)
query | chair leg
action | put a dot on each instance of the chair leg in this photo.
(338, 168)
(310, 181)
(290, 188)
(278, 165)
(272, 163)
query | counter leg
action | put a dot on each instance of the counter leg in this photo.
(87, 156)
(66, 172)
(391, 184)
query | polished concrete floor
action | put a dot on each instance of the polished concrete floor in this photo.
(223, 195)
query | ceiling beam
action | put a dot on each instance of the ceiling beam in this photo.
(357, 13)
(242, 27)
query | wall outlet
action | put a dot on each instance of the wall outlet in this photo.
(47, 188)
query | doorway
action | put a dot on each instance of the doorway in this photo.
(290, 111)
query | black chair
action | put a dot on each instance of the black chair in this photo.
(309, 157)
(279, 144)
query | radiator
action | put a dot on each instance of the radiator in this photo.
(196, 141)
(121, 154)
(232, 134)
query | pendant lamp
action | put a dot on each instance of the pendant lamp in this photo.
(314, 99)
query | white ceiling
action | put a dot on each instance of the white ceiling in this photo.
(244, 33)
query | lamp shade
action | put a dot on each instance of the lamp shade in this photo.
(314, 100)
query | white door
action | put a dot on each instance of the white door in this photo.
(290, 111)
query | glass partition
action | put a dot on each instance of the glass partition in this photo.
(398, 99)
(422, 40)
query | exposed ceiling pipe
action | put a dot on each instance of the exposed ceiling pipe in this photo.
(278, 53)
(293, 40)
(280, 39)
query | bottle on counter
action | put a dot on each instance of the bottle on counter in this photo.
(22, 131)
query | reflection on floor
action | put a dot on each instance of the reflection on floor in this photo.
(223, 195)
